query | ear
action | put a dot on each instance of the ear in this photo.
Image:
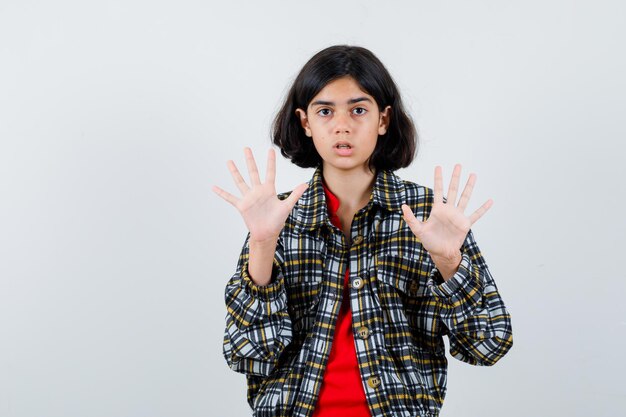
(304, 121)
(383, 123)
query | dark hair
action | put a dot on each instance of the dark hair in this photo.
(399, 147)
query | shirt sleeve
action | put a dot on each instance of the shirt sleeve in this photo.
(258, 325)
(478, 323)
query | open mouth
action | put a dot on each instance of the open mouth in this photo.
(341, 146)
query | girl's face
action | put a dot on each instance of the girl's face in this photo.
(344, 123)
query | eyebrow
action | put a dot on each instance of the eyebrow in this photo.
(330, 103)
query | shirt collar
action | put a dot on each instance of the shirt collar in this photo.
(312, 209)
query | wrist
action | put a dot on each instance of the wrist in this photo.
(261, 257)
(262, 242)
(447, 266)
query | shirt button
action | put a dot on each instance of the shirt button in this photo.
(357, 283)
(413, 287)
(373, 381)
(363, 332)
(357, 239)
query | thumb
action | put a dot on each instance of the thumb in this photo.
(296, 193)
(414, 224)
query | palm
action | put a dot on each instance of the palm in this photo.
(262, 211)
(444, 232)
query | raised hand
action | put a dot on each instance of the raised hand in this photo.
(444, 232)
(263, 213)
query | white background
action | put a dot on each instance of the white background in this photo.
(117, 117)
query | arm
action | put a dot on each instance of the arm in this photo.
(258, 326)
(472, 310)
(478, 324)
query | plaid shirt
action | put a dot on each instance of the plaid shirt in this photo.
(280, 335)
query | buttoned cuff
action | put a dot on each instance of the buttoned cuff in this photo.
(269, 292)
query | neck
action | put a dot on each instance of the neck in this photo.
(353, 188)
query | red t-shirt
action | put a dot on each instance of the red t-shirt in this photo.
(342, 392)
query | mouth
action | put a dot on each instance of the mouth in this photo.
(343, 149)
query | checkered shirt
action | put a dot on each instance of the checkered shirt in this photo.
(280, 335)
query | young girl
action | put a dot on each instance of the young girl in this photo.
(346, 285)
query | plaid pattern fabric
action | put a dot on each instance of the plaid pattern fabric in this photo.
(280, 335)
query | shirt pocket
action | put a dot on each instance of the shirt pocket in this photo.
(303, 299)
(410, 312)
(408, 275)
(401, 291)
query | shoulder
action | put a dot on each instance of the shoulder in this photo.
(415, 192)
(418, 197)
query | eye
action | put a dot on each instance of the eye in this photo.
(323, 112)
(359, 111)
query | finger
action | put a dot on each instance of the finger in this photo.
(454, 185)
(438, 198)
(270, 174)
(296, 193)
(239, 181)
(225, 195)
(252, 169)
(467, 192)
(480, 211)
(414, 224)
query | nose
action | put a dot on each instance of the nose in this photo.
(342, 123)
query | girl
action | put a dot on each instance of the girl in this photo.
(346, 285)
